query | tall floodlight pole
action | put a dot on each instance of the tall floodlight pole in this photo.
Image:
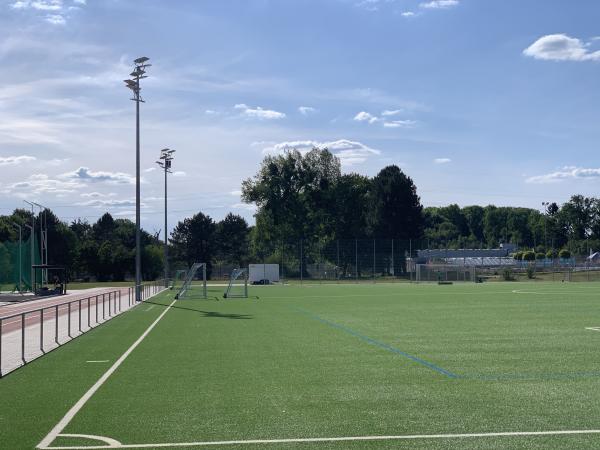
(16, 225)
(134, 84)
(166, 158)
(545, 205)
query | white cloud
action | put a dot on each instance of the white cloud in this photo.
(55, 19)
(179, 174)
(108, 203)
(439, 4)
(245, 206)
(258, 112)
(400, 124)
(364, 116)
(566, 173)
(85, 174)
(306, 110)
(407, 14)
(97, 195)
(442, 160)
(349, 152)
(236, 193)
(41, 184)
(211, 112)
(560, 47)
(14, 160)
(393, 112)
(149, 169)
(80, 2)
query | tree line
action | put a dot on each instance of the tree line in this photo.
(306, 198)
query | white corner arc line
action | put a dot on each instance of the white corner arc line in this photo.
(83, 400)
(113, 443)
(339, 439)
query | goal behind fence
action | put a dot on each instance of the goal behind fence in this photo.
(445, 272)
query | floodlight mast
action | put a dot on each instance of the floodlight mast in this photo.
(166, 157)
(140, 65)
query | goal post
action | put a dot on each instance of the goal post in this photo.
(194, 283)
(444, 273)
(238, 284)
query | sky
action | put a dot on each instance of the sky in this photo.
(479, 102)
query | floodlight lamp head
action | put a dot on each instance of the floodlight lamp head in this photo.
(141, 60)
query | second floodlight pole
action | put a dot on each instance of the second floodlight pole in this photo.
(165, 162)
(134, 84)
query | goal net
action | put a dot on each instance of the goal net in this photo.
(444, 272)
(194, 283)
(178, 280)
(238, 284)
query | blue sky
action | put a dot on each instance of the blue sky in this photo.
(478, 101)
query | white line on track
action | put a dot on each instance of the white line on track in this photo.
(332, 439)
(98, 361)
(83, 400)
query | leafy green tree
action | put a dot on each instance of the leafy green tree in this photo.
(193, 240)
(352, 206)
(231, 236)
(398, 210)
(564, 254)
(529, 256)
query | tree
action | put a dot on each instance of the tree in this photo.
(193, 240)
(398, 210)
(352, 206)
(293, 194)
(232, 239)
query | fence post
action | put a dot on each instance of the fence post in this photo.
(0, 347)
(109, 314)
(96, 308)
(410, 256)
(356, 260)
(337, 276)
(88, 312)
(42, 330)
(56, 325)
(103, 307)
(69, 322)
(79, 314)
(301, 260)
(374, 261)
(23, 338)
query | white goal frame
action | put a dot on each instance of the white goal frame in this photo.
(189, 281)
(238, 275)
(445, 273)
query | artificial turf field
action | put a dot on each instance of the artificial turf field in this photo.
(327, 361)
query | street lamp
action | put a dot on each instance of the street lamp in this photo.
(138, 73)
(166, 158)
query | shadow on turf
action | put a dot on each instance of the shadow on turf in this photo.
(209, 314)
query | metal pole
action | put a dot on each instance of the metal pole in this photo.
(56, 325)
(356, 259)
(138, 244)
(23, 338)
(42, 330)
(301, 274)
(166, 238)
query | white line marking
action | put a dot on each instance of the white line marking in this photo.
(593, 328)
(112, 443)
(338, 439)
(150, 307)
(98, 361)
(83, 400)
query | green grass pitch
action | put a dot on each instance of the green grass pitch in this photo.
(328, 361)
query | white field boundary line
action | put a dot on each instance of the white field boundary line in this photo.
(328, 439)
(83, 400)
(593, 328)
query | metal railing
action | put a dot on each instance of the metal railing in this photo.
(27, 335)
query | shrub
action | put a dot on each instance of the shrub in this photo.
(564, 254)
(507, 274)
(551, 254)
(529, 256)
(540, 255)
(531, 272)
(518, 256)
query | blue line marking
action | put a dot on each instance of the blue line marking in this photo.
(382, 345)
